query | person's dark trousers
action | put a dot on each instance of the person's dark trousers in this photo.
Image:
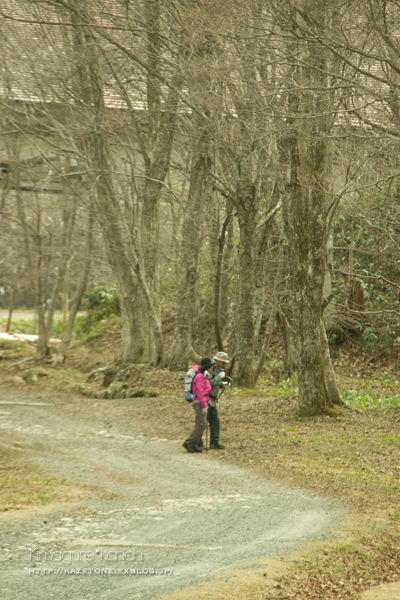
(199, 425)
(213, 419)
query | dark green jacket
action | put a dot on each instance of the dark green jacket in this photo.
(215, 381)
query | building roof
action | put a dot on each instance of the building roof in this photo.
(38, 61)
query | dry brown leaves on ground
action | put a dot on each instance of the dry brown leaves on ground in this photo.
(343, 572)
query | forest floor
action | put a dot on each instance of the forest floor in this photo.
(351, 462)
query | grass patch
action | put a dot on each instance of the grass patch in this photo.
(27, 326)
(143, 393)
(23, 485)
(30, 327)
(62, 379)
(368, 398)
(12, 345)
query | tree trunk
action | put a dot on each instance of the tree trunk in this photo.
(272, 316)
(156, 145)
(329, 311)
(260, 287)
(143, 342)
(226, 301)
(65, 299)
(123, 250)
(218, 279)
(249, 162)
(51, 309)
(330, 378)
(307, 227)
(181, 348)
(12, 303)
(62, 350)
(34, 269)
(290, 360)
(69, 214)
(259, 299)
(43, 348)
(247, 213)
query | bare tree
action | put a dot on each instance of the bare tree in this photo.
(306, 203)
(62, 349)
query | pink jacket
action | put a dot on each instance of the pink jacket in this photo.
(201, 386)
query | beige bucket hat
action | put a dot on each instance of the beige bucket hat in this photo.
(222, 356)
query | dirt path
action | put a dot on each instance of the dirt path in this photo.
(152, 506)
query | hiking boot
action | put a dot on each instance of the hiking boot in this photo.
(197, 448)
(189, 447)
(200, 444)
(217, 446)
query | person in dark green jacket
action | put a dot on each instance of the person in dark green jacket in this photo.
(217, 374)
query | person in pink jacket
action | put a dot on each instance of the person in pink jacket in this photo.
(200, 388)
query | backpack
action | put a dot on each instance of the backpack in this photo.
(188, 383)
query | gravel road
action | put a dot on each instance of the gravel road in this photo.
(155, 507)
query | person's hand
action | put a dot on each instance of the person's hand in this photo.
(204, 411)
(222, 374)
